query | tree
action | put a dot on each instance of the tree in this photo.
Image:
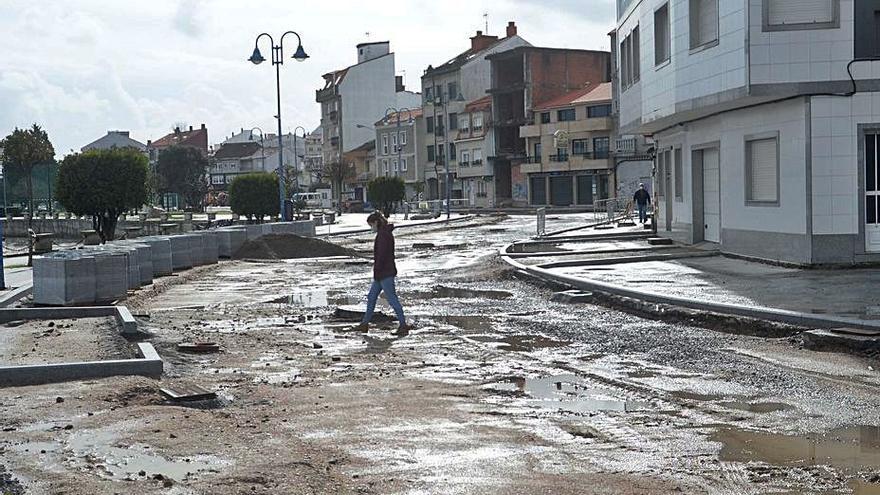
(385, 191)
(103, 184)
(255, 195)
(183, 170)
(338, 172)
(23, 150)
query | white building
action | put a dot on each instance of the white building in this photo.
(248, 151)
(355, 97)
(764, 144)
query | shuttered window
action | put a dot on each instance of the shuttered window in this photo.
(782, 12)
(703, 22)
(662, 42)
(762, 171)
(679, 176)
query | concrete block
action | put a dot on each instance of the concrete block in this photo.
(181, 256)
(210, 247)
(64, 278)
(111, 275)
(16, 294)
(267, 228)
(283, 228)
(194, 243)
(144, 260)
(160, 254)
(329, 218)
(831, 340)
(253, 231)
(229, 241)
(127, 323)
(572, 297)
(304, 228)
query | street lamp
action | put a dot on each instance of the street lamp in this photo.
(262, 150)
(295, 154)
(277, 59)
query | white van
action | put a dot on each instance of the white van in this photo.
(319, 199)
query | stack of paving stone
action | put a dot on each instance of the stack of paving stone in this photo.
(102, 274)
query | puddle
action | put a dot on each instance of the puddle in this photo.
(318, 298)
(475, 323)
(519, 343)
(96, 447)
(459, 292)
(568, 393)
(849, 449)
(758, 407)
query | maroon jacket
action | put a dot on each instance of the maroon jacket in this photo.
(383, 253)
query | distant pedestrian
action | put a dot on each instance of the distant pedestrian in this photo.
(384, 272)
(642, 200)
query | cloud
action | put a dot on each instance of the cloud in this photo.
(190, 18)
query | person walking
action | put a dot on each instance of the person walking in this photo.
(384, 272)
(642, 200)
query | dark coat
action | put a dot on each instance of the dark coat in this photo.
(383, 254)
(642, 197)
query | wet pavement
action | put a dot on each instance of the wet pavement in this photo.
(499, 390)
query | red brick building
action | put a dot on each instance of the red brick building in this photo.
(524, 79)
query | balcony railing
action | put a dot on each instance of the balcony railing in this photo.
(533, 159)
(594, 155)
(625, 145)
(477, 162)
(464, 163)
(559, 158)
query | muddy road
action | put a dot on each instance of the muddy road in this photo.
(499, 390)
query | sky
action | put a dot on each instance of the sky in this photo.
(82, 67)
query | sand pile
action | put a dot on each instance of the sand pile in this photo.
(289, 246)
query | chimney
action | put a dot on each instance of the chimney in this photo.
(511, 29)
(203, 126)
(190, 128)
(482, 41)
(177, 130)
(398, 84)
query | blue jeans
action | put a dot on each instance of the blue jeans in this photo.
(643, 212)
(386, 284)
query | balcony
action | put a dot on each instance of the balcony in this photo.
(625, 146)
(463, 163)
(532, 159)
(477, 162)
(334, 116)
(325, 94)
(334, 141)
(559, 158)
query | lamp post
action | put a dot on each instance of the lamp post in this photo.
(295, 154)
(278, 59)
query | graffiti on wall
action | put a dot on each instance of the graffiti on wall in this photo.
(630, 175)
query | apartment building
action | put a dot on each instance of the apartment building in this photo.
(446, 91)
(398, 148)
(523, 80)
(313, 161)
(363, 163)
(765, 145)
(357, 95)
(475, 143)
(569, 147)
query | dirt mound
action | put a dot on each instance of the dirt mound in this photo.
(289, 246)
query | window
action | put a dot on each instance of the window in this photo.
(662, 41)
(629, 59)
(403, 164)
(430, 152)
(465, 158)
(545, 117)
(464, 123)
(384, 144)
(217, 179)
(601, 146)
(429, 123)
(537, 154)
(703, 22)
(599, 111)
(800, 14)
(679, 176)
(385, 166)
(452, 153)
(867, 29)
(429, 95)
(566, 115)
(394, 141)
(478, 122)
(402, 137)
(762, 171)
(561, 155)
(579, 146)
(477, 157)
(453, 121)
(636, 55)
(452, 91)
(394, 165)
